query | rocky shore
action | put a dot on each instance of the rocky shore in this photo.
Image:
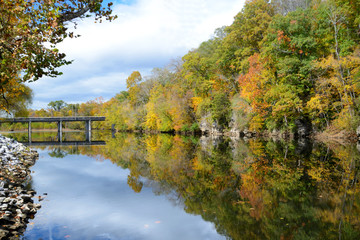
(16, 196)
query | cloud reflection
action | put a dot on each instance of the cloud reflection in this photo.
(88, 199)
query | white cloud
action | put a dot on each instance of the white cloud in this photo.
(147, 34)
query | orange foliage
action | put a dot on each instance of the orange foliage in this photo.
(251, 85)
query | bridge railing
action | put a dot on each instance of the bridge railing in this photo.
(53, 119)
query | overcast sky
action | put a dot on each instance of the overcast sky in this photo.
(146, 34)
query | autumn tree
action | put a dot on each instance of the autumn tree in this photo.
(30, 31)
(132, 84)
(18, 104)
(244, 37)
(253, 90)
(337, 73)
(290, 48)
(73, 108)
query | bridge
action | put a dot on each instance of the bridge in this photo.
(59, 120)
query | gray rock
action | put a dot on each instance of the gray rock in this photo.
(15, 201)
(4, 206)
(303, 127)
(358, 132)
(26, 198)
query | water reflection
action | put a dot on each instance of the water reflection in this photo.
(251, 189)
(53, 138)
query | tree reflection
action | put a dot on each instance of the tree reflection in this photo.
(252, 189)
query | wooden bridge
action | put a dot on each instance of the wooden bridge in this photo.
(59, 121)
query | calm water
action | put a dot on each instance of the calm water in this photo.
(176, 187)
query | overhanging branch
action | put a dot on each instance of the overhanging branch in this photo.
(65, 17)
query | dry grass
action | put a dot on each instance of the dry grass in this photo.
(342, 137)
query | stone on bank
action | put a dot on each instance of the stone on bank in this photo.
(16, 203)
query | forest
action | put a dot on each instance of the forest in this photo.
(279, 65)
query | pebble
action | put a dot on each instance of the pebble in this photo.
(16, 201)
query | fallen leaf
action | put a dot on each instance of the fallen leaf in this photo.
(157, 222)
(67, 236)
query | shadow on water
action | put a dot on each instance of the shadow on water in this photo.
(249, 189)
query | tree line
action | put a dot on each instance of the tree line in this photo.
(279, 62)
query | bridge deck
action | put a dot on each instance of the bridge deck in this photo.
(52, 119)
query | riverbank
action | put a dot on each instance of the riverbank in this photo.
(16, 200)
(343, 136)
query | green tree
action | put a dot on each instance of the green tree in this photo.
(57, 105)
(220, 109)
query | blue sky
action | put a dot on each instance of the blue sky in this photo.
(147, 34)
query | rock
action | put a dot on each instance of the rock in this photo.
(25, 209)
(4, 206)
(303, 128)
(358, 132)
(26, 198)
(15, 199)
(207, 126)
(248, 134)
(3, 233)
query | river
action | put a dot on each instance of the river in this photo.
(164, 186)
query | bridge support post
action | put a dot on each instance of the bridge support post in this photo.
(29, 131)
(60, 131)
(88, 130)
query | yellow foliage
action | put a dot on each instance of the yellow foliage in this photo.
(151, 121)
(256, 147)
(195, 101)
(256, 123)
(343, 121)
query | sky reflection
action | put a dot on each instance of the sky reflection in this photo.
(89, 199)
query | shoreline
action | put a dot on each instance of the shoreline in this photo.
(17, 206)
(342, 137)
(324, 136)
